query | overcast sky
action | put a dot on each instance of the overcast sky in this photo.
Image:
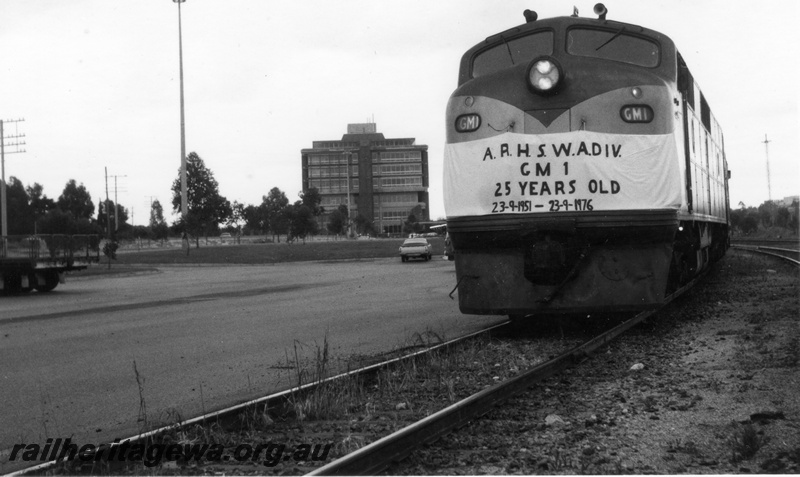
(97, 84)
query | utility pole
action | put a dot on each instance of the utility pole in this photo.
(116, 205)
(769, 182)
(108, 223)
(152, 220)
(151, 197)
(16, 142)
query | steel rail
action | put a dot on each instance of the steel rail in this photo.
(276, 397)
(795, 244)
(375, 457)
(785, 254)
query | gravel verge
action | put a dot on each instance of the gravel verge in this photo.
(710, 386)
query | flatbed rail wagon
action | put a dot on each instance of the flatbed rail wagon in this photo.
(40, 262)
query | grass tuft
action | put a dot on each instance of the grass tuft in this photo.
(745, 442)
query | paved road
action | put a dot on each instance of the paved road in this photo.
(201, 338)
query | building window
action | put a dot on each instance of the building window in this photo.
(389, 169)
(333, 186)
(397, 182)
(397, 198)
(327, 159)
(397, 156)
(333, 200)
(395, 214)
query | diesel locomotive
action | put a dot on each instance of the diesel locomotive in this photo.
(583, 171)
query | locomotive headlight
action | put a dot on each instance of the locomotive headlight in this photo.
(544, 75)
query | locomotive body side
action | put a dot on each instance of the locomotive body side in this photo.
(575, 199)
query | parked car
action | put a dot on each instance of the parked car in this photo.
(224, 235)
(415, 248)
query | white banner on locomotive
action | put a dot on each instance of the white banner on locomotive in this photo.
(563, 172)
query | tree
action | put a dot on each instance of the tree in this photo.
(206, 207)
(749, 223)
(58, 221)
(337, 221)
(363, 225)
(301, 221)
(412, 222)
(140, 231)
(237, 216)
(794, 212)
(76, 200)
(411, 225)
(158, 226)
(736, 218)
(767, 213)
(312, 199)
(40, 204)
(20, 217)
(255, 219)
(115, 212)
(275, 205)
(156, 214)
(782, 217)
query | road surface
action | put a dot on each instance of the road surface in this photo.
(201, 338)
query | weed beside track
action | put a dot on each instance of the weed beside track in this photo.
(347, 413)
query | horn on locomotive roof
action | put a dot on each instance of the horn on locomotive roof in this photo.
(530, 16)
(600, 10)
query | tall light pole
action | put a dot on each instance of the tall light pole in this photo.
(184, 199)
(769, 182)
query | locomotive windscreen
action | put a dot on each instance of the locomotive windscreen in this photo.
(610, 45)
(512, 52)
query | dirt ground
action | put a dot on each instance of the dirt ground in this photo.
(711, 386)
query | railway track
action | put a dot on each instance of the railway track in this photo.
(377, 456)
(272, 401)
(779, 243)
(788, 254)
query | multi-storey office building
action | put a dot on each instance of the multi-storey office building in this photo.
(383, 180)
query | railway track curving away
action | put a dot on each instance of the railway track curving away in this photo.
(792, 255)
